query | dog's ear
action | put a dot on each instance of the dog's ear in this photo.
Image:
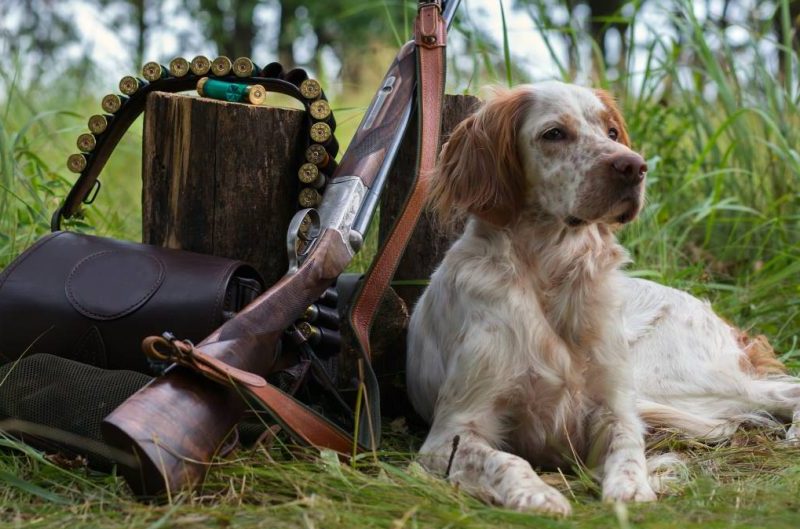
(614, 116)
(480, 171)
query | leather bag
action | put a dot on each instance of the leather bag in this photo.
(94, 299)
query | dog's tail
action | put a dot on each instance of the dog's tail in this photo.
(668, 471)
(706, 429)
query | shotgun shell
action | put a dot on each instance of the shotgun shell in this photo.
(317, 154)
(321, 132)
(234, 92)
(178, 67)
(256, 94)
(200, 65)
(320, 110)
(86, 142)
(152, 71)
(129, 85)
(309, 198)
(273, 69)
(221, 66)
(112, 103)
(244, 67)
(310, 89)
(99, 123)
(319, 336)
(76, 163)
(322, 316)
(309, 174)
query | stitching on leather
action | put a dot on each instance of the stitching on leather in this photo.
(127, 310)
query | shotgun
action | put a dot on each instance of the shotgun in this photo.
(176, 424)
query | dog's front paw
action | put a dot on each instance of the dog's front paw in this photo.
(627, 488)
(546, 500)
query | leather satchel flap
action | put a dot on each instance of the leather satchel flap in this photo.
(113, 283)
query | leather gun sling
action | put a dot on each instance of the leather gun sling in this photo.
(304, 424)
(430, 35)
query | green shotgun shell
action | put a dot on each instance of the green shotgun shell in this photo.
(76, 163)
(321, 132)
(317, 154)
(129, 85)
(112, 103)
(320, 110)
(99, 123)
(178, 67)
(221, 66)
(310, 89)
(86, 142)
(152, 71)
(309, 174)
(309, 198)
(235, 92)
(200, 65)
(244, 67)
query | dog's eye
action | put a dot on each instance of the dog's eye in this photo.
(554, 134)
(613, 133)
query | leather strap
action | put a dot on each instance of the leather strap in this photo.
(304, 424)
(430, 35)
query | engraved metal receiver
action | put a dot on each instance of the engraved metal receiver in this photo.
(340, 205)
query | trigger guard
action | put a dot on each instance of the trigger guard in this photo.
(295, 238)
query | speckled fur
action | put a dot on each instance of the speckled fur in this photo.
(531, 345)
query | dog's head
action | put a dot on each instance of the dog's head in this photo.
(553, 148)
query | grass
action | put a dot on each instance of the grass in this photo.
(721, 222)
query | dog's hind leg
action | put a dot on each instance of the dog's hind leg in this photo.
(491, 474)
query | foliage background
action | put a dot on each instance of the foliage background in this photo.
(710, 91)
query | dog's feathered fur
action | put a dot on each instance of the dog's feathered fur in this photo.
(531, 345)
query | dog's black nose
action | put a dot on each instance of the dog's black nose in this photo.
(629, 168)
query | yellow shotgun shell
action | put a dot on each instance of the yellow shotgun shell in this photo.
(76, 163)
(86, 142)
(178, 67)
(200, 65)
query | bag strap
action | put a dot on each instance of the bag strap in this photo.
(430, 35)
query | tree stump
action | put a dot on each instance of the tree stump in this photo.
(428, 244)
(218, 178)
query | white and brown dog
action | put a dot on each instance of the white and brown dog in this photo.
(531, 345)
